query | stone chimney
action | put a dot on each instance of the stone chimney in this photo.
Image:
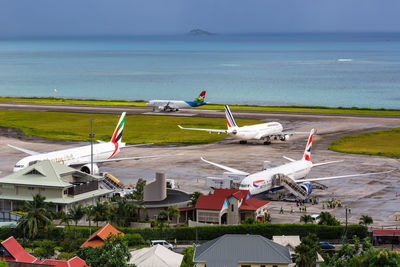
(156, 190)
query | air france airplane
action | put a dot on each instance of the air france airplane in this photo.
(261, 182)
(263, 131)
(80, 157)
(175, 105)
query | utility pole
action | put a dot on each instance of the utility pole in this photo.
(91, 135)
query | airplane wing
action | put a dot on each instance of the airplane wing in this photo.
(325, 163)
(27, 151)
(229, 169)
(148, 144)
(339, 177)
(289, 159)
(206, 130)
(116, 159)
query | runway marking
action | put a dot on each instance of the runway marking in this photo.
(168, 114)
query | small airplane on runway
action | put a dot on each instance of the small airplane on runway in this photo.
(287, 175)
(175, 105)
(262, 131)
(80, 157)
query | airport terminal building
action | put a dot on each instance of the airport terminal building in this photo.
(62, 186)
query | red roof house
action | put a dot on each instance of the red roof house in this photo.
(229, 206)
(12, 252)
(73, 262)
(98, 237)
(386, 232)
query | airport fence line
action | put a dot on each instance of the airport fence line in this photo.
(203, 233)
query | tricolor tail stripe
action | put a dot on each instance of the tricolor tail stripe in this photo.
(117, 135)
(230, 121)
(307, 151)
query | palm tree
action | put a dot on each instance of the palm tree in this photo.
(306, 219)
(37, 216)
(76, 213)
(66, 219)
(90, 211)
(325, 218)
(193, 198)
(366, 220)
(306, 254)
(123, 213)
(173, 212)
(101, 212)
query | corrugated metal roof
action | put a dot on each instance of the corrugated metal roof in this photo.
(229, 250)
(43, 173)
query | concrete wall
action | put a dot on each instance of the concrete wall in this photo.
(156, 190)
(28, 191)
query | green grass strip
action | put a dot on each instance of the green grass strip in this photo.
(142, 103)
(379, 143)
(138, 129)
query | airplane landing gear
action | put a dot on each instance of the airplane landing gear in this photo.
(242, 142)
(267, 141)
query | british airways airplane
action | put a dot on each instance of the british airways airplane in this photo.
(175, 105)
(294, 171)
(262, 131)
(80, 157)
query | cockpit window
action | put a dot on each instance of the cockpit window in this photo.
(19, 166)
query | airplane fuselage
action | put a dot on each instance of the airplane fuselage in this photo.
(262, 181)
(257, 131)
(173, 104)
(72, 156)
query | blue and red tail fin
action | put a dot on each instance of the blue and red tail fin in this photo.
(230, 121)
(117, 135)
(201, 97)
(307, 151)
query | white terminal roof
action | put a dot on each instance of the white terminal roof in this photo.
(156, 256)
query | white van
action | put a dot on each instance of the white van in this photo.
(162, 243)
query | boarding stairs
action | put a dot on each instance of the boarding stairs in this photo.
(111, 182)
(288, 183)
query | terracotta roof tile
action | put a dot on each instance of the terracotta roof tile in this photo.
(210, 202)
(18, 253)
(252, 204)
(386, 232)
(98, 237)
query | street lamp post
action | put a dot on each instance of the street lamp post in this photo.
(91, 135)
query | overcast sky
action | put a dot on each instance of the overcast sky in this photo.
(130, 17)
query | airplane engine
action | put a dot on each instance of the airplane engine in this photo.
(286, 137)
(234, 132)
(307, 187)
(86, 168)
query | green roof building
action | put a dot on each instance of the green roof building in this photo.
(62, 186)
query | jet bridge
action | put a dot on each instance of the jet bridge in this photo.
(289, 184)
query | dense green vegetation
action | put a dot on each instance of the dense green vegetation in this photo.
(138, 128)
(380, 143)
(141, 103)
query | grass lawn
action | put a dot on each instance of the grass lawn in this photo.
(141, 103)
(138, 128)
(381, 143)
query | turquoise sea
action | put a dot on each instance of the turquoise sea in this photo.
(348, 70)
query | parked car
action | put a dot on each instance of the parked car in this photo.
(162, 243)
(315, 217)
(326, 245)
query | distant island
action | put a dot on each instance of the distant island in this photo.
(200, 32)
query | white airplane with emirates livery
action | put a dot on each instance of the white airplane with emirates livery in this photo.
(288, 175)
(263, 131)
(80, 157)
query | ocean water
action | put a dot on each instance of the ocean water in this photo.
(361, 70)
